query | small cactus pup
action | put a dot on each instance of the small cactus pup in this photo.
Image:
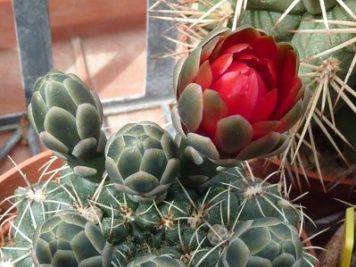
(68, 118)
(142, 161)
(237, 93)
(264, 242)
(67, 239)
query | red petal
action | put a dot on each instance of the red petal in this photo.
(265, 68)
(250, 58)
(243, 36)
(208, 49)
(239, 92)
(270, 73)
(286, 67)
(263, 128)
(288, 73)
(204, 76)
(266, 106)
(239, 67)
(282, 51)
(289, 101)
(265, 47)
(220, 65)
(238, 48)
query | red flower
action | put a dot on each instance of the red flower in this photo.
(238, 88)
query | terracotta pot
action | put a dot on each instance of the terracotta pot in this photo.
(12, 179)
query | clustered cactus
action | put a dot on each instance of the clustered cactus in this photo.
(147, 208)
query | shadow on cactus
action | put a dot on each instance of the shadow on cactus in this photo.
(164, 201)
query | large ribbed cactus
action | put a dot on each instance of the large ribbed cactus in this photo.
(68, 239)
(68, 118)
(142, 161)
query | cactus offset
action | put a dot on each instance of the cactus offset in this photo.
(68, 117)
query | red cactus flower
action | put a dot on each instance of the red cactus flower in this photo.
(238, 91)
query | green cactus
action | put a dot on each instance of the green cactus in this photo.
(67, 239)
(261, 199)
(154, 212)
(68, 117)
(263, 242)
(142, 161)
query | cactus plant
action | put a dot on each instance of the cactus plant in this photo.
(68, 117)
(264, 242)
(67, 239)
(129, 157)
(323, 34)
(147, 209)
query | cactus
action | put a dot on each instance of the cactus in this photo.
(130, 154)
(149, 211)
(323, 34)
(67, 239)
(68, 117)
(263, 242)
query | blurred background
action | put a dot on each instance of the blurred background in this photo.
(101, 41)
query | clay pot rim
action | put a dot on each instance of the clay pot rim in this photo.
(25, 164)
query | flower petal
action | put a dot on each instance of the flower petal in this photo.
(282, 145)
(264, 67)
(260, 147)
(238, 67)
(208, 48)
(214, 110)
(269, 73)
(203, 144)
(218, 31)
(190, 106)
(220, 65)
(289, 99)
(189, 70)
(289, 71)
(287, 62)
(176, 74)
(237, 48)
(282, 50)
(265, 106)
(291, 117)
(265, 47)
(240, 92)
(233, 133)
(262, 128)
(204, 76)
(241, 35)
